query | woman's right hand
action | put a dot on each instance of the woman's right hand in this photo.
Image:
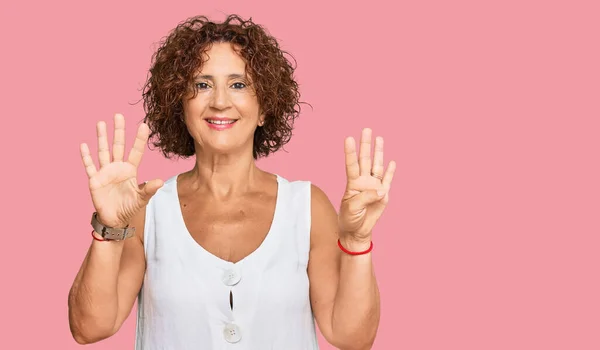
(114, 188)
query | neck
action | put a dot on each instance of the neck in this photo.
(224, 175)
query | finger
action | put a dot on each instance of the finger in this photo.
(377, 170)
(88, 162)
(139, 145)
(103, 152)
(364, 160)
(389, 175)
(362, 200)
(149, 188)
(352, 170)
(119, 138)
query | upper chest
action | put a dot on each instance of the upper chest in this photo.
(231, 229)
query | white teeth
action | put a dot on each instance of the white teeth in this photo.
(221, 122)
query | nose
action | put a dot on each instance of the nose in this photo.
(220, 98)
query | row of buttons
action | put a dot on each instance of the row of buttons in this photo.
(231, 332)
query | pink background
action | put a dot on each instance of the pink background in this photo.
(491, 110)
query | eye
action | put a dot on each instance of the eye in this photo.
(239, 85)
(202, 85)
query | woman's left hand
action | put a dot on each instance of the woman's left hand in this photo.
(367, 191)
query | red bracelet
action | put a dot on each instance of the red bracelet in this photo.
(98, 239)
(354, 253)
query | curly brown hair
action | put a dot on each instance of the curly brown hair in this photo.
(180, 56)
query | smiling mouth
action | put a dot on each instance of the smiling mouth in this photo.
(220, 122)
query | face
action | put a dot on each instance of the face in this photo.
(224, 114)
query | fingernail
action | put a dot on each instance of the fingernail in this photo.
(381, 193)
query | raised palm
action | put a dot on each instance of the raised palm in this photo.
(367, 187)
(114, 187)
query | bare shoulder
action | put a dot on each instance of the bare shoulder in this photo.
(323, 217)
(319, 200)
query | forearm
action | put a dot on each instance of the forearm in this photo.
(93, 302)
(356, 308)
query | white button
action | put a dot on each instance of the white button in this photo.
(231, 277)
(231, 332)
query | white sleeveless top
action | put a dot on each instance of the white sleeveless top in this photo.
(184, 302)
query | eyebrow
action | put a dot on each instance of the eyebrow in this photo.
(230, 76)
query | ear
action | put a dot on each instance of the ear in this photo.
(261, 120)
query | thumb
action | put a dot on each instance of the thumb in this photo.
(149, 188)
(364, 199)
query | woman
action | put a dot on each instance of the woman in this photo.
(226, 255)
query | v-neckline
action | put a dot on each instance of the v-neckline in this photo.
(219, 261)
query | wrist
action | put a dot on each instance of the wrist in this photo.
(111, 224)
(355, 245)
(109, 232)
(98, 237)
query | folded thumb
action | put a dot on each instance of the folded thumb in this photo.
(366, 198)
(150, 188)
